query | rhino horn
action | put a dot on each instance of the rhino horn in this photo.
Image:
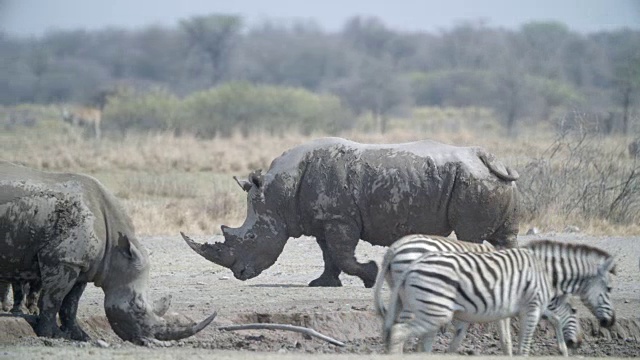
(218, 253)
(161, 305)
(176, 330)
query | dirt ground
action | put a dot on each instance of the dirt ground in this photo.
(280, 294)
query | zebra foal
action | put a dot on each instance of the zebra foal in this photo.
(485, 287)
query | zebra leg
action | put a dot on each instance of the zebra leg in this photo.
(426, 341)
(504, 330)
(528, 321)
(557, 325)
(330, 276)
(461, 328)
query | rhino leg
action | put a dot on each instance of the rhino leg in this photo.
(341, 243)
(18, 296)
(57, 281)
(4, 295)
(330, 276)
(68, 311)
(32, 297)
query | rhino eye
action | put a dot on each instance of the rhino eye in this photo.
(250, 236)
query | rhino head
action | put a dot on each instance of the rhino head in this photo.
(132, 316)
(254, 246)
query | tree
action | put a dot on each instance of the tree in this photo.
(214, 35)
(627, 82)
(376, 88)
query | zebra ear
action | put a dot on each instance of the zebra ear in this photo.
(608, 266)
(488, 244)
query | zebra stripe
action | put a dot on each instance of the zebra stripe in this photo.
(582, 270)
(482, 287)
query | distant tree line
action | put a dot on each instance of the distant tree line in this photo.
(366, 67)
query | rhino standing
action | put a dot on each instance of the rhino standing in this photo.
(66, 230)
(341, 191)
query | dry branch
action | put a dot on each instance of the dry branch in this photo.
(286, 327)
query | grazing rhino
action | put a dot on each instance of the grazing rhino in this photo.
(66, 230)
(341, 191)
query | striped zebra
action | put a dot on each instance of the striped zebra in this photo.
(485, 287)
(409, 248)
(582, 270)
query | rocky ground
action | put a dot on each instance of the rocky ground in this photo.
(280, 295)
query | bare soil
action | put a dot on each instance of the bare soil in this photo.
(280, 294)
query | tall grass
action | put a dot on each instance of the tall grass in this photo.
(174, 183)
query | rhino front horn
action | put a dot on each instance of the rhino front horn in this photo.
(177, 331)
(217, 252)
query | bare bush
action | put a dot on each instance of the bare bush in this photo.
(582, 176)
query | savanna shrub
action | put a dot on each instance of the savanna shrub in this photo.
(256, 108)
(157, 109)
(582, 176)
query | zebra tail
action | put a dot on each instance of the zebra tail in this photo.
(391, 315)
(380, 279)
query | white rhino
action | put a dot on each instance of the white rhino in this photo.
(66, 230)
(341, 191)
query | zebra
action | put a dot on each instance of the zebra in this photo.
(582, 270)
(484, 287)
(409, 248)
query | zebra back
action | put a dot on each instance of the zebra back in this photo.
(409, 248)
(571, 265)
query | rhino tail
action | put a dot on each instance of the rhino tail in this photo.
(497, 167)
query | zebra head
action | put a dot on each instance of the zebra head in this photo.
(595, 293)
(571, 330)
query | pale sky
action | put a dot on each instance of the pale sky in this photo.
(33, 17)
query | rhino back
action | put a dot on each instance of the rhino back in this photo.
(101, 202)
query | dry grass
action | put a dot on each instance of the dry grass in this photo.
(170, 184)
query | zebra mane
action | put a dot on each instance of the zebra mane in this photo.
(586, 250)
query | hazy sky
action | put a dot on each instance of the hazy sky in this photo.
(27, 17)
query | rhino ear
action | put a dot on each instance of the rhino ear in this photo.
(125, 246)
(244, 184)
(256, 178)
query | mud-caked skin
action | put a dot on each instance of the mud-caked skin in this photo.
(63, 231)
(341, 191)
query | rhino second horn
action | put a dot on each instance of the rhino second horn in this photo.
(161, 305)
(217, 253)
(177, 331)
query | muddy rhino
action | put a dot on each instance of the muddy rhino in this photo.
(340, 191)
(66, 230)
